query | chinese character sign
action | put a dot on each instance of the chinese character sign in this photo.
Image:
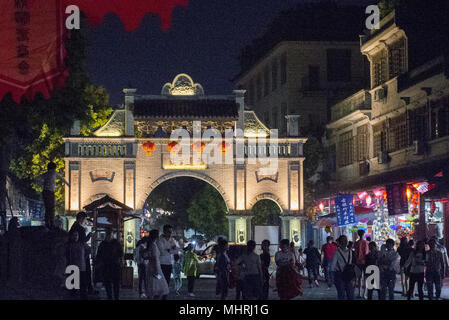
(345, 210)
(397, 199)
(32, 52)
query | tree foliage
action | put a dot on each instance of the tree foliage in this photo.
(37, 127)
(265, 213)
(207, 212)
(386, 6)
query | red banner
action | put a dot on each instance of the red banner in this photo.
(32, 34)
(130, 12)
(32, 51)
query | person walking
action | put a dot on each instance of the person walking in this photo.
(288, 281)
(265, 260)
(167, 247)
(343, 268)
(110, 256)
(141, 246)
(75, 257)
(252, 272)
(79, 226)
(157, 287)
(48, 193)
(361, 249)
(302, 262)
(327, 251)
(223, 269)
(404, 251)
(442, 248)
(190, 268)
(388, 267)
(372, 260)
(434, 270)
(177, 269)
(417, 263)
(313, 260)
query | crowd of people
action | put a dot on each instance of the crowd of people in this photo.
(346, 265)
(343, 264)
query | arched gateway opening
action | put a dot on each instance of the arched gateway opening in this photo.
(191, 205)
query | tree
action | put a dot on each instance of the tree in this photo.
(207, 212)
(386, 6)
(31, 133)
(174, 196)
(265, 213)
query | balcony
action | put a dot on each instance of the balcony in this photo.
(359, 101)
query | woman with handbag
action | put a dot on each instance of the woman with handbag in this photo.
(157, 287)
(288, 280)
(343, 268)
(404, 250)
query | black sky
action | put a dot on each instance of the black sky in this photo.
(204, 42)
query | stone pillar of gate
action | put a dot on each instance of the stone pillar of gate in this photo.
(240, 228)
(291, 228)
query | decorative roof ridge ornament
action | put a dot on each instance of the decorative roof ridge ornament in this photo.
(182, 85)
(254, 127)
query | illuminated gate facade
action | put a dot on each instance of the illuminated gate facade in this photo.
(129, 156)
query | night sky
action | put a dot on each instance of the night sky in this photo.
(204, 42)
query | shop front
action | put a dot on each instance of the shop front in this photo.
(388, 212)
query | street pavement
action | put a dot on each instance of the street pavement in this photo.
(204, 290)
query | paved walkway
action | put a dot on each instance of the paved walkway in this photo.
(204, 290)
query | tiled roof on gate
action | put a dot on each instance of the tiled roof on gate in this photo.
(186, 108)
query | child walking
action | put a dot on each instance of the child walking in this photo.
(177, 268)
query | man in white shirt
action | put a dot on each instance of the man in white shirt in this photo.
(167, 246)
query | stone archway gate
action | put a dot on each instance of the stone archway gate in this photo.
(116, 159)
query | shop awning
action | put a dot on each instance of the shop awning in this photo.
(417, 173)
(440, 192)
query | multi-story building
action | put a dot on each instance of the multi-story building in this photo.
(303, 78)
(396, 134)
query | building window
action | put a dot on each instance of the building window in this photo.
(418, 124)
(397, 133)
(251, 92)
(284, 68)
(338, 65)
(362, 143)
(396, 59)
(274, 74)
(274, 119)
(380, 68)
(266, 81)
(314, 78)
(283, 119)
(379, 138)
(345, 149)
(259, 87)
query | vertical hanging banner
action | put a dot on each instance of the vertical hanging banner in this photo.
(33, 32)
(345, 210)
(32, 49)
(397, 199)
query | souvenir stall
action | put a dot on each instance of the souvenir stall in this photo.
(384, 213)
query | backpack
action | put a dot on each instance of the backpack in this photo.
(349, 270)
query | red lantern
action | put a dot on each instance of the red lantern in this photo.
(224, 146)
(173, 147)
(199, 147)
(149, 147)
(433, 207)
